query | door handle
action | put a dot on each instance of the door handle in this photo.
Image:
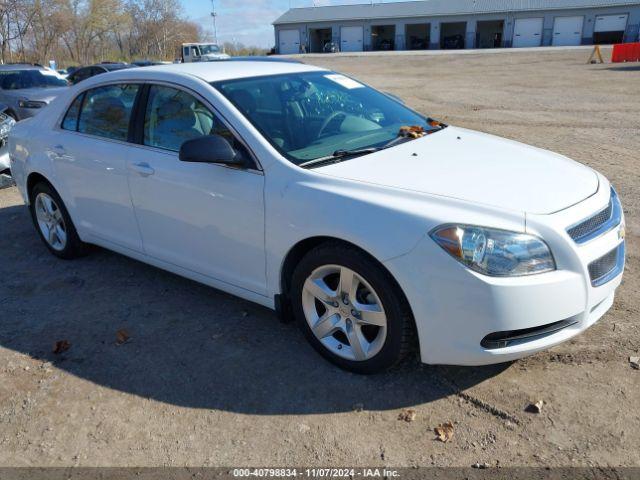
(143, 169)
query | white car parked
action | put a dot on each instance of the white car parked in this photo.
(303, 190)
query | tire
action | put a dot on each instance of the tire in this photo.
(70, 246)
(375, 317)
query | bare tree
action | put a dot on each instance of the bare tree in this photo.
(86, 31)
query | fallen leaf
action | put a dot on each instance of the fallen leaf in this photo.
(408, 415)
(122, 337)
(444, 432)
(634, 362)
(535, 407)
(61, 346)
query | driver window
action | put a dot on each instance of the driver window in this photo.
(173, 116)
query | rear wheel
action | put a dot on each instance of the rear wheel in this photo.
(53, 223)
(351, 309)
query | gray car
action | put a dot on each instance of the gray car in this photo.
(25, 89)
(6, 124)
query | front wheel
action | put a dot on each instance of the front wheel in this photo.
(351, 309)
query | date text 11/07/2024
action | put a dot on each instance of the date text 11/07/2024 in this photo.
(315, 473)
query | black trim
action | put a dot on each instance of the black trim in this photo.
(84, 99)
(136, 122)
(284, 312)
(83, 95)
(504, 339)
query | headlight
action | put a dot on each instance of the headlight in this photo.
(31, 104)
(6, 124)
(493, 252)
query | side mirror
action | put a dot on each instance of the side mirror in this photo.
(210, 149)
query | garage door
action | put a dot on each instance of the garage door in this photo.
(351, 39)
(611, 23)
(567, 31)
(289, 42)
(527, 32)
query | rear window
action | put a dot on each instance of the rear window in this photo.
(70, 121)
(103, 111)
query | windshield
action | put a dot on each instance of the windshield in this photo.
(312, 115)
(207, 49)
(19, 79)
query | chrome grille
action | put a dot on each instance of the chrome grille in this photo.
(599, 223)
(607, 267)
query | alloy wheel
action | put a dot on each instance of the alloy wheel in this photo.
(51, 222)
(344, 312)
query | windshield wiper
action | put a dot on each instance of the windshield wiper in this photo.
(396, 141)
(338, 156)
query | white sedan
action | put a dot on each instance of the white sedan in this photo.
(377, 228)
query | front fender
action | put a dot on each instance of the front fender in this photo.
(387, 223)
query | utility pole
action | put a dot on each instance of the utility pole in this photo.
(215, 29)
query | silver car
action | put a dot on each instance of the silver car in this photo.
(6, 124)
(25, 89)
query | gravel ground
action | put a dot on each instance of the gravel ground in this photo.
(207, 379)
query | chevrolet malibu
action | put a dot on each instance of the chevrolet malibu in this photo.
(377, 228)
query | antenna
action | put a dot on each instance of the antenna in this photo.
(213, 17)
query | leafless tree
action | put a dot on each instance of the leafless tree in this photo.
(86, 31)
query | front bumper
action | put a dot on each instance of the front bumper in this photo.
(456, 309)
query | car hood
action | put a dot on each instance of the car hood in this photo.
(40, 94)
(478, 168)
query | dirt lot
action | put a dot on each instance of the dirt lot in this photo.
(208, 379)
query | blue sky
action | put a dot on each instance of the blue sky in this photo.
(247, 21)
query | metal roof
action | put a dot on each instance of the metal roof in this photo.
(431, 8)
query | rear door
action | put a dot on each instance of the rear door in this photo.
(527, 32)
(567, 31)
(90, 153)
(203, 217)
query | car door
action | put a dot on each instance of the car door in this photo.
(90, 153)
(204, 217)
